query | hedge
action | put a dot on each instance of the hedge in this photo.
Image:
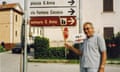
(113, 46)
(52, 53)
(41, 45)
(43, 51)
(56, 53)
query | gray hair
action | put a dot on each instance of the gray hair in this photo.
(88, 23)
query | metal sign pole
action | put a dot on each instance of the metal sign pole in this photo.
(80, 16)
(25, 45)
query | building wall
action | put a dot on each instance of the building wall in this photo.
(10, 29)
(5, 26)
(17, 23)
(92, 10)
(56, 33)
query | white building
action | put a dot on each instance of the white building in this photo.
(104, 14)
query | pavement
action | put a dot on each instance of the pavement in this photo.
(11, 63)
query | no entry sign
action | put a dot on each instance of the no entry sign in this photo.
(65, 33)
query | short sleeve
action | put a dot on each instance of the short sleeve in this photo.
(101, 44)
(81, 46)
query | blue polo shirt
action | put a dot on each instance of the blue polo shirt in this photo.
(91, 49)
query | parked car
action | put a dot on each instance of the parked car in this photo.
(17, 50)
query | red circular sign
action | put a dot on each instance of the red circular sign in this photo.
(65, 33)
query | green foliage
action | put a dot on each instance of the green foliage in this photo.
(52, 53)
(41, 42)
(1, 49)
(117, 39)
(41, 45)
(56, 53)
(118, 34)
(42, 49)
(113, 46)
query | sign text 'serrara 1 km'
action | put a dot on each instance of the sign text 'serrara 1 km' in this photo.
(52, 12)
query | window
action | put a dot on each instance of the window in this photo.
(38, 30)
(16, 33)
(33, 30)
(108, 5)
(108, 32)
(16, 18)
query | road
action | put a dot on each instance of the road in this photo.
(11, 63)
(52, 67)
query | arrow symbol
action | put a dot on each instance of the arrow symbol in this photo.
(72, 11)
(71, 2)
(72, 21)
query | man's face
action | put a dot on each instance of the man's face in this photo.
(89, 30)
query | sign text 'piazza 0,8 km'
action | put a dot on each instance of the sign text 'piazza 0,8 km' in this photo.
(52, 12)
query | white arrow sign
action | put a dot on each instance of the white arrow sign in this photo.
(52, 12)
(72, 21)
(38, 3)
(52, 7)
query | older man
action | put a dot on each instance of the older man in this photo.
(92, 51)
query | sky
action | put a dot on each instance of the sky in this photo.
(21, 2)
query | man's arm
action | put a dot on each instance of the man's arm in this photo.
(102, 46)
(103, 61)
(77, 51)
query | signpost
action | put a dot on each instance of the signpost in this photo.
(25, 37)
(49, 13)
(53, 13)
(65, 34)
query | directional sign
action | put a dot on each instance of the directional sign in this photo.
(72, 11)
(53, 12)
(53, 21)
(51, 3)
(52, 7)
(71, 2)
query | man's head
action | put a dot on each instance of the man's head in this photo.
(88, 29)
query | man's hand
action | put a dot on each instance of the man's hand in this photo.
(68, 46)
(101, 69)
(103, 61)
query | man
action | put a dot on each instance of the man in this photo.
(92, 51)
